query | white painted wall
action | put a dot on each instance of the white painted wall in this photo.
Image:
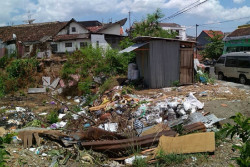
(75, 44)
(114, 30)
(102, 42)
(182, 31)
(79, 29)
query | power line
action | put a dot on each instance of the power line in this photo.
(186, 9)
(225, 21)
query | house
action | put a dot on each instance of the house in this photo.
(59, 37)
(161, 61)
(173, 27)
(25, 38)
(75, 35)
(238, 40)
(205, 35)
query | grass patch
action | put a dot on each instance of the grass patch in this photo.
(140, 162)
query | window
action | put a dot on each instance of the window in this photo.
(73, 29)
(221, 60)
(27, 48)
(68, 44)
(83, 44)
(97, 44)
(244, 61)
(231, 61)
(54, 47)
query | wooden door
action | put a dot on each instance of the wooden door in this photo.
(186, 66)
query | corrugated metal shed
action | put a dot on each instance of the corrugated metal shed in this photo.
(161, 61)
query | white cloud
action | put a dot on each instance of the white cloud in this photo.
(238, 1)
(51, 10)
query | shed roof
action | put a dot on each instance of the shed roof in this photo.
(133, 47)
(148, 38)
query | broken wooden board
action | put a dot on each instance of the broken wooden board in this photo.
(37, 90)
(193, 143)
(155, 129)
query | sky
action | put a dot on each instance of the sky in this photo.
(14, 12)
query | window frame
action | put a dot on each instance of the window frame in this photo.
(73, 29)
(68, 45)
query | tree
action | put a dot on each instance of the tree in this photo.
(214, 49)
(150, 27)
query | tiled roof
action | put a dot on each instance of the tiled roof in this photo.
(70, 37)
(240, 32)
(210, 33)
(31, 32)
(94, 28)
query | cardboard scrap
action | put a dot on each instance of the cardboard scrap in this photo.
(193, 143)
(2, 131)
(155, 129)
(98, 107)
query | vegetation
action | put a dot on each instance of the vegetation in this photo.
(16, 74)
(52, 117)
(170, 159)
(241, 128)
(3, 153)
(214, 49)
(204, 78)
(150, 27)
(140, 162)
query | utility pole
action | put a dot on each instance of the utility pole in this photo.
(196, 50)
(129, 19)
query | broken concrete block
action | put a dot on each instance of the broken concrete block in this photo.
(58, 91)
(55, 83)
(193, 143)
(37, 90)
(46, 81)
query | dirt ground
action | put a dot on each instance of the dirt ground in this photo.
(223, 101)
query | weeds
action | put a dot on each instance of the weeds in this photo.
(140, 162)
(176, 83)
(204, 78)
(170, 159)
(3, 154)
(242, 129)
(52, 117)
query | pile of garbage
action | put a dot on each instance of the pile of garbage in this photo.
(114, 123)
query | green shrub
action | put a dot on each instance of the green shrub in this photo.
(3, 154)
(22, 68)
(242, 129)
(52, 117)
(4, 61)
(85, 85)
(176, 83)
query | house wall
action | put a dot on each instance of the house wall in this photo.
(95, 38)
(202, 39)
(114, 30)
(182, 31)
(79, 29)
(163, 63)
(75, 44)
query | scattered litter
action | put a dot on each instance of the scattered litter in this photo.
(129, 161)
